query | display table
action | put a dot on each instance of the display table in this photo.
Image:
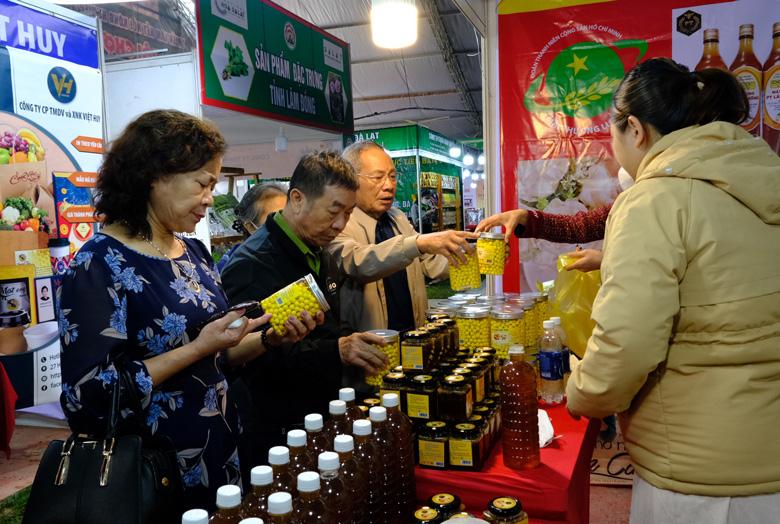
(557, 491)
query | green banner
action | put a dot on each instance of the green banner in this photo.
(391, 138)
(435, 143)
(406, 190)
(258, 58)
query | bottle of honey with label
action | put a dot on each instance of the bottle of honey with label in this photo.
(710, 57)
(747, 69)
(771, 127)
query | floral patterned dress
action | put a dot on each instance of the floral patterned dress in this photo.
(116, 302)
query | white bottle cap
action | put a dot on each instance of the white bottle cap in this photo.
(548, 324)
(251, 520)
(516, 349)
(195, 516)
(308, 481)
(278, 455)
(347, 394)
(556, 320)
(313, 422)
(328, 461)
(337, 407)
(343, 443)
(261, 475)
(361, 427)
(296, 438)
(390, 400)
(377, 414)
(279, 503)
(228, 496)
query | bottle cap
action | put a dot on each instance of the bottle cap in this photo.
(308, 481)
(279, 503)
(313, 422)
(195, 516)
(343, 443)
(337, 407)
(377, 414)
(361, 427)
(261, 475)
(347, 394)
(556, 320)
(516, 349)
(548, 324)
(278, 455)
(390, 400)
(328, 461)
(296, 438)
(228, 496)
(251, 520)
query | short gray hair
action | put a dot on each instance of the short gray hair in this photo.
(248, 210)
(353, 152)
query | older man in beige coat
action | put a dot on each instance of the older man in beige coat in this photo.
(386, 284)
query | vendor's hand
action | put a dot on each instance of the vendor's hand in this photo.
(451, 244)
(217, 335)
(508, 219)
(358, 350)
(297, 329)
(588, 259)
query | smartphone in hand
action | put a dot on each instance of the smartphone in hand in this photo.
(248, 307)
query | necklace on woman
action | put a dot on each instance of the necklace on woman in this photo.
(192, 281)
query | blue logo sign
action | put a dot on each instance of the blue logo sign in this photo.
(62, 85)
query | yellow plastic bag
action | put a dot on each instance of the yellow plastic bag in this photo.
(575, 292)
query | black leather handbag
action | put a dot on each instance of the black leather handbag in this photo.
(127, 477)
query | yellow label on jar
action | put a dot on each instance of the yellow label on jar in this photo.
(412, 357)
(418, 406)
(460, 453)
(480, 383)
(432, 453)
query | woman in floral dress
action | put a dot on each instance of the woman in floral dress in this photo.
(138, 293)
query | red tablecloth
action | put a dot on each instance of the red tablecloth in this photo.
(557, 491)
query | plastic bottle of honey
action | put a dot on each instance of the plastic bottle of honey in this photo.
(195, 516)
(338, 505)
(279, 459)
(747, 69)
(256, 502)
(771, 127)
(280, 509)
(308, 507)
(710, 56)
(316, 439)
(337, 423)
(353, 411)
(519, 412)
(369, 458)
(387, 447)
(355, 478)
(300, 460)
(228, 505)
(401, 426)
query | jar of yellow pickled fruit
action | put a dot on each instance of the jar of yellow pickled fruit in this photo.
(466, 276)
(474, 327)
(530, 331)
(302, 295)
(506, 329)
(392, 349)
(491, 253)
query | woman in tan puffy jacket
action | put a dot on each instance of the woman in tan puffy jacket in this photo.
(687, 339)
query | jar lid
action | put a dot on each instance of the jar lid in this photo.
(445, 502)
(417, 334)
(471, 366)
(437, 315)
(426, 514)
(481, 410)
(478, 361)
(506, 313)
(423, 379)
(490, 402)
(491, 235)
(434, 327)
(485, 349)
(505, 507)
(394, 378)
(477, 420)
(463, 372)
(454, 381)
(372, 402)
(449, 322)
(388, 335)
(466, 430)
(473, 312)
(435, 429)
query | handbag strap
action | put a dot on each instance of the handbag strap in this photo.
(125, 389)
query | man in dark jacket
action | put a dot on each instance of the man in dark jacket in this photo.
(292, 380)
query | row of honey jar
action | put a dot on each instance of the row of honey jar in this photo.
(447, 507)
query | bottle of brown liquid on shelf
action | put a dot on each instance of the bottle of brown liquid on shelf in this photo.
(337, 423)
(368, 456)
(747, 69)
(195, 516)
(401, 426)
(228, 505)
(256, 502)
(353, 411)
(316, 439)
(387, 446)
(300, 460)
(280, 509)
(355, 478)
(308, 507)
(519, 407)
(771, 127)
(279, 459)
(710, 57)
(335, 496)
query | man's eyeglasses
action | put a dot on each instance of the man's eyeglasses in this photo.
(378, 179)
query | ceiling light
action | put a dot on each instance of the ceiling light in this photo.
(393, 23)
(468, 160)
(482, 176)
(473, 185)
(481, 159)
(280, 143)
(455, 152)
(466, 173)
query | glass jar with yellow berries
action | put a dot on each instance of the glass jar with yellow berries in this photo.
(506, 329)
(392, 349)
(292, 300)
(491, 252)
(474, 327)
(466, 275)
